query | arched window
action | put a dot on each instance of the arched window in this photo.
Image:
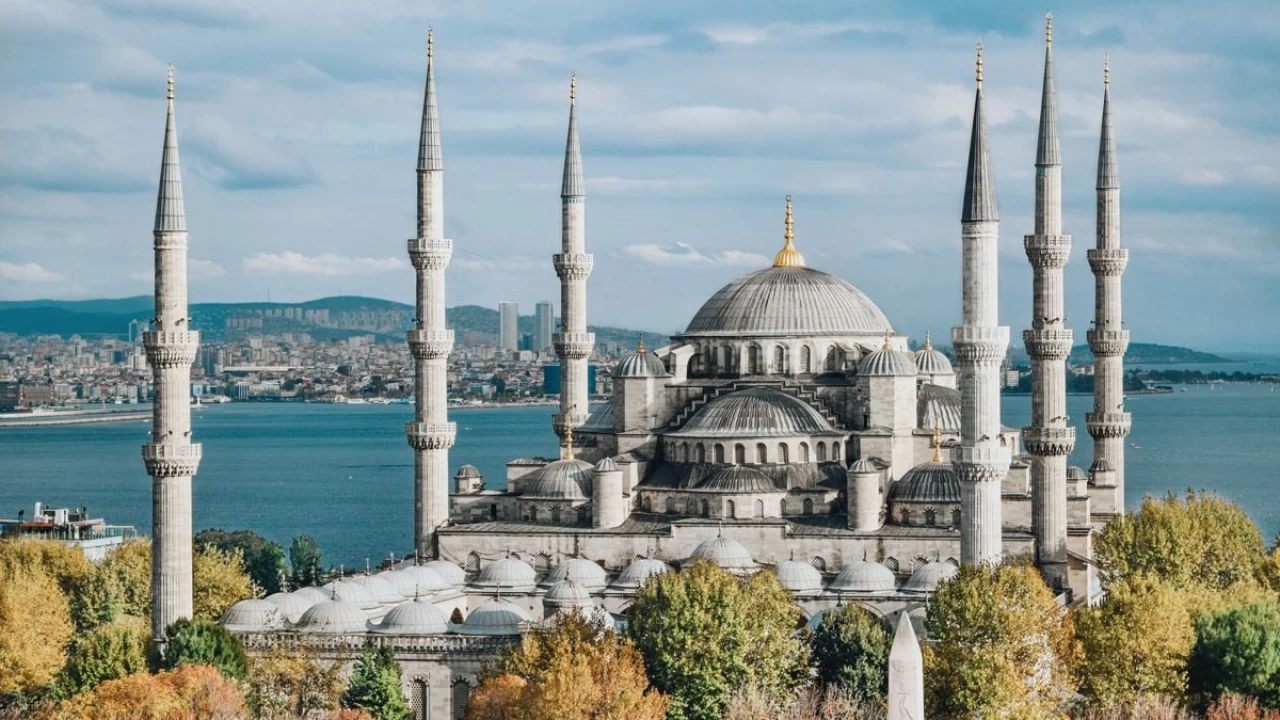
(706, 509)
(691, 507)
(493, 511)
(701, 453)
(555, 515)
(782, 507)
(719, 453)
(646, 503)
(831, 360)
(739, 454)
(533, 513)
(808, 506)
(783, 455)
(779, 360)
(684, 452)
(753, 360)
(818, 564)
(804, 452)
(806, 360)
(461, 694)
(822, 452)
(730, 510)
(930, 517)
(671, 504)
(419, 699)
(542, 562)
(892, 564)
(835, 452)
(583, 516)
(906, 516)
(761, 454)
(472, 563)
(758, 510)
(955, 517)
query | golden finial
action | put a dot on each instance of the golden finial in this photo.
(928, 343)
(886, 345)
(788, 256)
(431, 41)
(1048, 28)
(937, 441)
(979, 75)
(170, 81)
(573, 86)
(566, 449)
(640, 345)
(1106, 69)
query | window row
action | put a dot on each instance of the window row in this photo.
(698, 453)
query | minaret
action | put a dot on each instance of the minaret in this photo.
(1108, 423)
(430, 434)
(573, 265)
(981, 463)
(171, 458)
(1048, 439)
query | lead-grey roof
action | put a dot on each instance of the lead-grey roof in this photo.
(728, 554)
(430, 157)
(468, 471)
(796, 475)
(755, 412)
(170, 214)
(933, 362)
(937, 406)
(863, 576)
(640, 365)
(788, 301)
(887, 362)
(600, 419)
(1108, 165)
(413, 617)
(928, 577)
(979, 179)
(580, 570)
(561, 480)
(738, 479)
(927, 482)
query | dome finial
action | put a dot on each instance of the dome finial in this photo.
(937, 441)
(1048, 28)
(640, 345)
(170, 81)
(573, 87)
(979, 71)
(886, 345)
(928, 342)
(788, 256)
(566, 449)
(430, 42)
(1106, 69)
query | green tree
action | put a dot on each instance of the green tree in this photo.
(35, 629)
(703, 632)
(284, 685)
(999, 646)
(375, 685)
(304, 556)
(263, 559)
(109, 652)
(127, 572)
(850, 649)
(204, 642)
(1238, 651)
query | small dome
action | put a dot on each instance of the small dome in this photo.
(607, 465)
(560, 480)
(414, 617)
(864, 576)
(583, 572)
(640, 364)
(738, 479)
(887, 362)
(937, 407)
(252, 616)
(334, 616)
(1076, 474)
(451, 573)
(416, 580)
(467, 472)
(291, 605)
(932, 362)
(314, 594)
(634, 575)
(567, 593)
(494, 618)
(928, 577)
(799, 577)
(509, 573)
(352, 592)
(728, 554)
(931, 482)
(383, 592)
(863, 465)
(755, 412)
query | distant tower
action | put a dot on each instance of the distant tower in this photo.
(430, 434)
(1108, 423)
(573, 265)
(171, 458)
(509, 326)
(544, 316)
(1048, 439)
(981, 463)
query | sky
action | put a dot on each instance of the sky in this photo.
(298, 126)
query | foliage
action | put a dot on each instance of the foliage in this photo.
(375, 684)
(35, 628)
(304, 556)
(850, 649)
(127, 571)
(1238, 651)
(1238, 707)
(204, 642)
(703, 632)
(1202, 540)
(218, 581)
(285, 685)
(263, 559)
(91, 602)
(109, 652)
(999, 646)
(808, 703)
(193, 692)
(350, 714)
(1151, 707)
(1269, 569)
(577, 671)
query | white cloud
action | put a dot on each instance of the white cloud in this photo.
(27, 273)
(1201, 176)
(788, 32)
(685, 255)
(635, 186)
(322, 264)
(509, 264)
(203, 269)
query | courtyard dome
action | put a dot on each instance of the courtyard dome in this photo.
(583, 572)
(352, 592)
(252, 616)
(928, 577)
(494, 618)
(567, 593)
(414, 617)
(798, 577)
(291, 605)
(864, 576)
(755, 412)
(634, 575)
(887, 362)
(452, 574)
(931, 482)
(383, 592)
(728, 554)
(334, 616)
(788, 301)
(560, 480)
(509, 573)
(738, 479)
(314, 594)
(416, 580)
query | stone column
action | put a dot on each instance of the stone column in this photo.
(863, 496)
(573, 266)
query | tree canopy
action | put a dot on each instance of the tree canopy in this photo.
(375, 684)
(263, 559)
(850, 650)
(287, 685)
(35, 628)
(204, 642)
(218, 581)
(1238, 651)
(304, 556)
(108, 652)
(193, 691)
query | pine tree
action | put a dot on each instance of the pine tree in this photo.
(375, 685)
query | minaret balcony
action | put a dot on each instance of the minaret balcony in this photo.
(573, 266)
(425, 436)
(166, 460)
(430, 344)
(427, 254)
(1047, 344)
(574, 345)
(1108, 262)
(171, 348)
(1108, 424)
(1047, 251)
(1049, 441)
(981, 464)
(980, 344)
(1107, 342)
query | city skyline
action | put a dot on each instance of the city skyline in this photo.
(686, 175)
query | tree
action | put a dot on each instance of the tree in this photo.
(375, 684)
(109, 652)
(218, 581)
(999, 646)
(193, 692)
(35, 628)
(304, 556)
(1199, 540)
(127, 571)
(1238, 651)
(204, 642)
(850, 650)
(1269, 568)
(91, 602)
(576, 671)
(703, 632)
(263, 559)
(286, 685)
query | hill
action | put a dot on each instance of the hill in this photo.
(1138, 354)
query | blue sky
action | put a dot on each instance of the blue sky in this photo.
(298, 127)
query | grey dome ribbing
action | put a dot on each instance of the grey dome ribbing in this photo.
(927, 482)
(788, 301)
(755, 412)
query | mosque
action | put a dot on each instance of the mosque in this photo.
(789, 427)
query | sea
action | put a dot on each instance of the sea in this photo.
(343, 473)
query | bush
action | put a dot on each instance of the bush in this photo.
(109, 652)
(1238, 651)
(850, 649)
(202, 642)
(375, 685)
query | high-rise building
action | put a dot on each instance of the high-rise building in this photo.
(544, 327)
(508, 326)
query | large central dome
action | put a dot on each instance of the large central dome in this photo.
(788, 301)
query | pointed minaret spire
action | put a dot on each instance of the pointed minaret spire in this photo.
(170, 215)
(1047, 147)
(979, 183)
(429, 155)
(1108, 167)
(573, 185)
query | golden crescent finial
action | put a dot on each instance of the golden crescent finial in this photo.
(566, 449)
(640, 345)
(431, 41)
(170, 81)
(979, 72)
(1048, 28)
(928, 342)
(788, 256)
(937, 441)
(886, 345)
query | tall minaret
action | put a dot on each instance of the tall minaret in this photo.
(430, 434)
(573, 265)
(171, 458)
(1048, 439)
(981, 463)
(1108, 423)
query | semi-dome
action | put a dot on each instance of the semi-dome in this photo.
(738, 479)
(383, 592)
(416, 580)
(864, 576)
(565, 594)
(509, 573)
(452, 574)
(414, 617)
(929, 576)
(640, 364)
(314, 594)
(291, 605)
(560, 480)
(937, 407)
(933, 482)
(755, 412)
(798, 577)
(887, 362)
(583, 572)
(788, 301)
(352, 592)
(728, 554)
(634, 575)
(334, 616)
(497, 617)
(252, 616)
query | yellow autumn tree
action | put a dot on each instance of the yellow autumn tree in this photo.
(286, 685)
(35, 628)
(192, 692)
(90, 601)
(127, 571)
(219, 580)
